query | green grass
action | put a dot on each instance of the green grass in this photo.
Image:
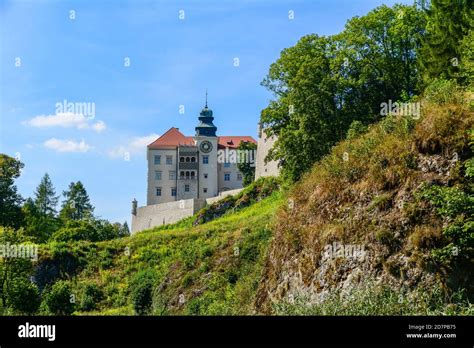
(215, 267)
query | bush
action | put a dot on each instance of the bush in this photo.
(142, 291)
(24, 297)
(442, 91)
(59, 299)
(91, 296)
(356, 128)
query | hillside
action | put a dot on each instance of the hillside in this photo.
(400, 196)
(397, 198)
(214, 268)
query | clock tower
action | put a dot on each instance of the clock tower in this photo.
(206, 142)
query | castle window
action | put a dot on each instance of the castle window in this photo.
(169, 159)
(239, 176)
(186, 188)
(157, 175)
(226, 164)
(226, 176)
(204, 189)
(173, 191)
(192, 175)
(193, 159)
(205, 175)
(188, 159)
(172, 175)
(158, 191)
(205, 159)
(181, 159)
(187, 175)
(157, 159)
(181, 174)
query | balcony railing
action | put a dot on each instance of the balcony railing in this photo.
(188, 165)
(187, 177)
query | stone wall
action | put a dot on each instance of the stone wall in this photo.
(264, 145)
(165, 213)
(222, 195)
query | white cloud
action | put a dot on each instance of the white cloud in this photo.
(136, 145)
(60, 145)
(65, 120)
(99, 126)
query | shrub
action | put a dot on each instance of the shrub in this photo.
(90, 297)
(442, 91)
(142, 291)
(425, 237)
(59, 299)
(24, 297)
(356, 128)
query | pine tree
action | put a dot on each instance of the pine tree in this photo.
(77, 204)
(45, 197)
(125, 230)
(448, 21)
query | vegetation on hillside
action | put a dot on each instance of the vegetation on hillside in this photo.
(402, 191)
(377, 219)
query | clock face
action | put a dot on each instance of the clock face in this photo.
(206, 146)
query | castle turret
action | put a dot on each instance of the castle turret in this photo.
(205, 127)
(134, 207)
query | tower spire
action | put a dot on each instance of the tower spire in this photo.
(206, 98)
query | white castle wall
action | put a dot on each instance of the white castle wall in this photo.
(222, 195)
(167, 213)
(164, 213)
(264, 145)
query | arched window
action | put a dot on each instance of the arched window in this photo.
(187, 174)
(181, 174)
(187, 159)
(181, 159)
(192, 175)
(193, 159)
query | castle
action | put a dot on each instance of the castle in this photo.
(193, 167)
(185, 173)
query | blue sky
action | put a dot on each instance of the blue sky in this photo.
(78, 51)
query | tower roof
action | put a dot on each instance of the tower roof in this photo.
(205, 126)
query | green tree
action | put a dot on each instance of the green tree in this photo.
(40, 214)
(247, 167)
(12, 269)
(448, 22)
(10, 200)
(24, 297)
(45, 197)
(59, 299)
(124, 230)
(76, 205)
(323, 84)
(37, 225)
(142, 291)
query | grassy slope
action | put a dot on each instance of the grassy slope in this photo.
(370, 199)
(215, 267)
(252, 260)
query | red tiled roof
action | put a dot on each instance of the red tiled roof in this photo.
(233, 141)
(171, 139)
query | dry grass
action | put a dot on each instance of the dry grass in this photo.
(363, 192)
